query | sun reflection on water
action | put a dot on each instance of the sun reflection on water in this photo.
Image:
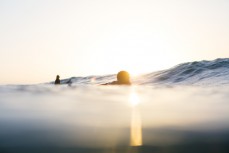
(135, 127)
(134, 99)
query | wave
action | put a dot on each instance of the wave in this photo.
(204, 72)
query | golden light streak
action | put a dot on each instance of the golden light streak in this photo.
(135, 127)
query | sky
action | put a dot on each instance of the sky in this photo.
(42, 38)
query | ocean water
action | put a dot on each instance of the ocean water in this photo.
(201, 73)
(183, 109)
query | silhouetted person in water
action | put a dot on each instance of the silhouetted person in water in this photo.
(123, 78)
(57, 81)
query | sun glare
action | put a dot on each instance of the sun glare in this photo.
(134, 99)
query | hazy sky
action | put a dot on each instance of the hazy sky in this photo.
(42, 38)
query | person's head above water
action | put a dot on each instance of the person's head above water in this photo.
(123, 77)
(57, 81)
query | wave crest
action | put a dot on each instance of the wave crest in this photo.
(198, 72)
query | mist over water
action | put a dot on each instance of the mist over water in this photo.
(158, 113)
